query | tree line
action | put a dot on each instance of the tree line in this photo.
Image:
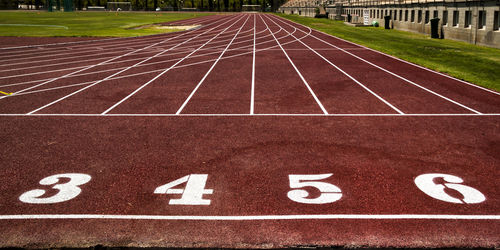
(151, 5)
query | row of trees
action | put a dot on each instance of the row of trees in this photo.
(150, 5)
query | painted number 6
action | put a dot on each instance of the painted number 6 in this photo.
(425, 182)
(329, 192)
(67, 191)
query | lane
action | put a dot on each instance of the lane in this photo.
(80, 102)
(479, 99)
(340, 91)
(168, 94)
(194, 63)
(118, 64)
(173, 39)
(37, 77)
(227, 89)
(17, 104)
(278, 86)
(467, 96)
(407, 97)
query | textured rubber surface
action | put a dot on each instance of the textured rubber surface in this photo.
(194, 104)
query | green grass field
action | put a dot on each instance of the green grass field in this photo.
(476, 64)
(109, 24)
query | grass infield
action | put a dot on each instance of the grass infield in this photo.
(472, 63)
(85, 24)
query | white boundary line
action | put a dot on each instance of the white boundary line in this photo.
(145, 65)
(34, 25)
(72, 55)
(210, 70)
(256, 217)
(91, 66)
(389, 72)
(345, 73)
(159, 70)
(252, 94)
(119, 72)
(184, 50)
(36, 64)
(85, 54)
(171, 67)
(413, 64)
(297, 70)
(256, 115)
(97, 40)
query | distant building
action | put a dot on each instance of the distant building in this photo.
(476, 22)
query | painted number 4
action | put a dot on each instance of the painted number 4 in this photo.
(192, 194)
(329, 192)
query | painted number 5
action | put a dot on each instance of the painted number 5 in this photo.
(426, 183)
(67, 191)
(329, 192)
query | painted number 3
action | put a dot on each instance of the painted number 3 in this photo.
(67, 191)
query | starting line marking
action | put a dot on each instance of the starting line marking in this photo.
(256, 115)
(5, 93)
(254, 217)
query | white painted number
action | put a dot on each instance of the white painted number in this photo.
(427, 184)
(67, 191)
(192, 194)
(329, 192)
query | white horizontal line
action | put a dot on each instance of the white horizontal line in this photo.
(34, 25)
(232, 115)
(254, 217)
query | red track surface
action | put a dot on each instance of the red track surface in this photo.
(248, 102)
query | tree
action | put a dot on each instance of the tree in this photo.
(226, 5)
(8, 4)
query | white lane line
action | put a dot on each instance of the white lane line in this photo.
(38, 64)
(148, 72)
(165, 71)
(210, 70)
(129, 41)
(89, 67)
(252, 95)
(413, 64)
(98, 41)
(258, 115)
(110, 76)
(256, 217)
(73, 55)
(394, 74)
(345, 73)
(297, 70)
(182, 50)
(34, 25)
(152, 71)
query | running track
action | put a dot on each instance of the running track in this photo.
(249, 131)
